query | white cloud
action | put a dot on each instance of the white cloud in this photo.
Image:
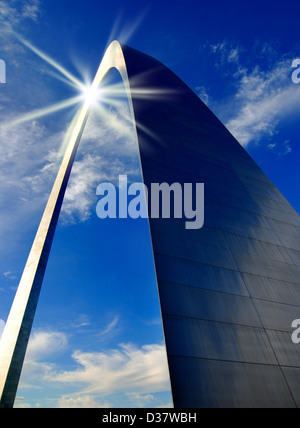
(130, 369)
(9, 275)
(281, 149)
(108, 149)
(218, 47)
(42, 345)
(136, 372)
(29, 152)
(9, 16)
(30, 156)
(24, 180)
(13, 14)
(20, 403)
(227, 57)
(81, 321)
(86, 174)
(233, 55)
(81, 402)
(262, 100)
(110, 330)
(31, 9)
(202, 94)
(45, 343)
(140, 400)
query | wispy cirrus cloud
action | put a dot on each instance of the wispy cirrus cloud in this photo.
(10, 275)
(30, 151)
(30, 156)
(262, 96)
(108, 149)
(13, 14)
(110, 330)
(228, 57)
(31, 9)
(27, 170)
(263, 100)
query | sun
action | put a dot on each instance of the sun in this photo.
(88, 95)
(91, 95)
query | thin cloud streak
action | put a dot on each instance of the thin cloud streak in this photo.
(72, 79)
(264, 99)
(260, 98)
(36, 114)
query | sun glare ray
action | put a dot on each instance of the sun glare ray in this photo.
(128, 118)
(118, 91)
(88, 95)
(51, 62)
(35, 114)
(127, 31)
(63, 79)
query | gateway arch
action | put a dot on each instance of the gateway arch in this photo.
(229, 291)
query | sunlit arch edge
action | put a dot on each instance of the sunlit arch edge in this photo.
(16, 334)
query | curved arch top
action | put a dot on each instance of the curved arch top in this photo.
(16, 334)
(137, 70)
(222, 314)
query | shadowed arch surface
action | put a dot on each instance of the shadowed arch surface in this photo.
(228, 291)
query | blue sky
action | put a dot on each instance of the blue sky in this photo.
(98, 317)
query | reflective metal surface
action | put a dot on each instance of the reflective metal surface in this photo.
(229, 291)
